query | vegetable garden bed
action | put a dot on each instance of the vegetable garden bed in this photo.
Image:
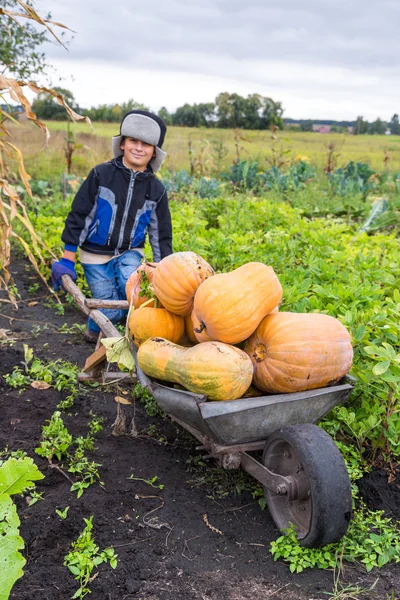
(173, 552)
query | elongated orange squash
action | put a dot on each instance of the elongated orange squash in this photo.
(177, 278)
(293, 352)
(219, 371)
(133, 286)
(146, 322)
(231, 305)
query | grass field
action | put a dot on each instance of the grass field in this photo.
(214, 148)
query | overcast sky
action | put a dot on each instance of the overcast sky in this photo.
(321, 58)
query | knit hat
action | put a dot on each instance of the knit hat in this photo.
(144, 126)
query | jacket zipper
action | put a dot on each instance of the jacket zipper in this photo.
(126, 211)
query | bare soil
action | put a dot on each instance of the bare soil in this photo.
(170, 553)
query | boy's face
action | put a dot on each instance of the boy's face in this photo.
(137, 154)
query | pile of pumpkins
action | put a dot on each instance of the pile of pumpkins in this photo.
(230, 331)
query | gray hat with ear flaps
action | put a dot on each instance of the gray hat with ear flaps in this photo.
(144, 126)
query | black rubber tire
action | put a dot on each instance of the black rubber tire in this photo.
(307, 452)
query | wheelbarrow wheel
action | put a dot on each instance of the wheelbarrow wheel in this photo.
(318, 501)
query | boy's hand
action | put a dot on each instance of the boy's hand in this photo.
(64, 266)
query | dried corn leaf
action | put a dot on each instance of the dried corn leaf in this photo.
(214, 529)
(121, 400)
(14, 88)
(60, 99)
(40, 385)
(21, 168)
(32, 258)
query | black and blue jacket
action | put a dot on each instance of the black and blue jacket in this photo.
(115, 208)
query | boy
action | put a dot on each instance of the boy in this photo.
(118, 203)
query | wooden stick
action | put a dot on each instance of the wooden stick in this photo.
(117, 304)
(95, 359)
(76, 293)
(110, 376)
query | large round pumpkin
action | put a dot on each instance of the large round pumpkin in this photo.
(134, 284)
(231, 305)
(177, 278)
(219, 371)
(293, 352)
(147, 322)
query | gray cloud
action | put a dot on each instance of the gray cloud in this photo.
(335, 58)
(352, 34)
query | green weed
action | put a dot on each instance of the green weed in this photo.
(58, 442)
(85, 556)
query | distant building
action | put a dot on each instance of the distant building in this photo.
(321, 128)
(12, 108)
(388, 132)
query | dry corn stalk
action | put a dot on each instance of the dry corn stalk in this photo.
(11, 206)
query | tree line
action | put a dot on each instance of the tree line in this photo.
(228, 111)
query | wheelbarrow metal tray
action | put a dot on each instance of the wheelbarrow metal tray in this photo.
(249, 419)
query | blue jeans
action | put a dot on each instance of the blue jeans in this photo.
(107, 282)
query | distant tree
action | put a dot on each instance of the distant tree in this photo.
(306, 125)
(165, 115)
(394, 125)
(253, 112)
(113, 113)
(272, 113)
(45, 106)
(361, 126)
(195, 115)
(19, 46)
(378, 127)
(187, 115)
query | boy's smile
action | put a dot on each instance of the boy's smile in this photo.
(137, 154)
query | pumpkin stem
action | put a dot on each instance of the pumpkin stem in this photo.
(260, 353)
(145, 303)
(201, 328)
(156, 302)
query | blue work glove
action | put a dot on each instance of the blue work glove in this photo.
(60, 268)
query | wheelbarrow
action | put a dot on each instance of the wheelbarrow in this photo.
(305, 479)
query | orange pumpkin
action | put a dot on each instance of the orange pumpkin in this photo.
(177, 278)
(219, 371)
(134, 284)
(147, 322)
(231, 305)
(293, 352)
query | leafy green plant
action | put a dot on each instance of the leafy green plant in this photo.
(85, 556)
(75, 328)
(62, 513)
(354, 178)
(34, 497)
(243, 175)
(372, 540)
(60, 374)
(17, 379)
(32, 289)
(150, 405)
(56, 439)
(17, 475)
(58, 442)
(85, 469)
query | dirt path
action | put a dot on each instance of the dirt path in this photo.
(175, 555)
